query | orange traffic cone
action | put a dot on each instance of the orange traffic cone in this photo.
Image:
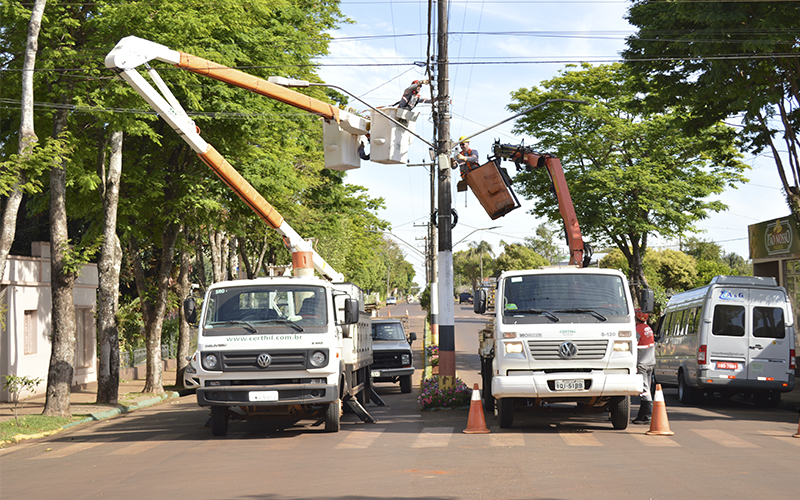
(659, 425)
(476, 424)
(798, 432)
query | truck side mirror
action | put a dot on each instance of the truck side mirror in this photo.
(350, 311)
(479, 302)
(190, 310)
(412, 337)
(647, 301)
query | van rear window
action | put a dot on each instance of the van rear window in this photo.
(728, 321)
(768, 323)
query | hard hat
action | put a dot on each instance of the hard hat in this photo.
(415, 82)
(462, 139)
(640, 315)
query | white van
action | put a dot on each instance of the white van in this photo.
(734, 335)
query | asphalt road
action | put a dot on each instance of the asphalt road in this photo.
(723, 449)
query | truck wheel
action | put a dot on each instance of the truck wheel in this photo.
(333, 414)
(505, 412)
(686, 394)
(219, 420)
(405, 384)
(486, 379)
(620, 407)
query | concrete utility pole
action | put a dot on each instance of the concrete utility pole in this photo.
(447, 329)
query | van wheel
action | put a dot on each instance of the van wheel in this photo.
(333, 415)
(219, 420)
(686, 394)
(405, 384)
(505, 412)
(620, 407)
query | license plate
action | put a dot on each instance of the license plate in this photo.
(263, 395)
(569, 385)
(376, 374)
(725, 365)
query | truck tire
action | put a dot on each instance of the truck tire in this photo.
(333, 414)
(686, 394)
(486, 379)
(219, 420)
(405, 384)
(620, 407)
(505, 412)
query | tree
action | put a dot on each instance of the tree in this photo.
(669, 272)
(631, 173)
(721, 60)
(474, 263)
(544, 243)
(517, 257)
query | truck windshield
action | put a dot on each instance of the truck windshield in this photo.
(388, 331)
(252, 309)
(566, 297)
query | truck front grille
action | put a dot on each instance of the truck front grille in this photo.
(545, 350)
(280, 360)
(387, 359)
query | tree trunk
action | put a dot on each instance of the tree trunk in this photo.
(154, 381)
(199, 262)
(62, 280)
(184, 288)
(27, 136)
(109, 271)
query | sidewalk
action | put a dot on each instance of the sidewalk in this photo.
(83, 402)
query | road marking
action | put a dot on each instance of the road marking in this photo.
(725, 439)
(142, 446)
(433, 437)
(580, 439)
(662, 441)
(359, 440)
(782, 436)
(68, 450)
(507, 439)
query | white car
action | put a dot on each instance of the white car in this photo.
(391, 301)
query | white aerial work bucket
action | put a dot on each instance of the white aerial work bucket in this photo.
(389, 142)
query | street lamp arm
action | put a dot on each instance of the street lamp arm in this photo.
(473, 232)
(400, 239)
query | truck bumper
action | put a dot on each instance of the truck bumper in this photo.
(269, 395)
(542, 385)
(388, 374)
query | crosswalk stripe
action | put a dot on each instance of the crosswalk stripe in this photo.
(360, 440)
(142, 446)
(724, 439)
(662, 441)
(507, 439)
(68, 450)
(580, 439)
(433, 437)
(782, 436)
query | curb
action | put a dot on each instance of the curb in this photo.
(103, 415)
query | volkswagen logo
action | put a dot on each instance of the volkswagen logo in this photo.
(567, 350)
(264, 360)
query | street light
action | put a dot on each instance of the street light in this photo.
(399, 238)
(475, 231)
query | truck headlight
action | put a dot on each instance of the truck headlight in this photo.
(210, 361)
(405, 359)
(513, 347)
(318, 359)
(622, 346)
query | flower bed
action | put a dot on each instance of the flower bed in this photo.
(432, 353)
(432, 396)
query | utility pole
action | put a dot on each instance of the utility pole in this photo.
(447, 329)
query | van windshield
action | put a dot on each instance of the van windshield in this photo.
(572, 298)
(258, 308)
(388, 331)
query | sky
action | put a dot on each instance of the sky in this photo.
(495, 47)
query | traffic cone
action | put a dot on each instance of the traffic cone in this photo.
(659, 425)
(476, 424)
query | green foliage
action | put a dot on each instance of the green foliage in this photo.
(517, 257)
(707, 269)
(15, 384)
(475, 263)
(30, 167)
(545, 244)
(631, 172)
(670, 270)
(615, 259)
(31, 424)
(433, 396)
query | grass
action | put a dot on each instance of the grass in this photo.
(31, 424)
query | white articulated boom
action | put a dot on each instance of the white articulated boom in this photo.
(132, 52)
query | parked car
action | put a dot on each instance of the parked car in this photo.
(465, 297)
(392, 360)
(391, 301)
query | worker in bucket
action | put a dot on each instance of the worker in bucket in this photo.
(411, 95)
(645, 364)
(467, 159)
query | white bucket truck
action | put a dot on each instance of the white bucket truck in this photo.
(283, 349)
(561, 335)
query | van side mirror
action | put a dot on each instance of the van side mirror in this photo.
(351, 311)
(647, 301)
(479, 302)
(412, 337)
(190, 310)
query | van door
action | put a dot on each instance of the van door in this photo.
(728, 343)
(769, 344)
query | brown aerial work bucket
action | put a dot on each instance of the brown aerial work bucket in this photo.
(492, 186)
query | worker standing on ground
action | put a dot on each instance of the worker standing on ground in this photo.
(411, 96)
(645, 364)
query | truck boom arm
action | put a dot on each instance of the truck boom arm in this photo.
(579, 252)
(132, 52)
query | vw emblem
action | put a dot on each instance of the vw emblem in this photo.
(567, 350)
(264, 360)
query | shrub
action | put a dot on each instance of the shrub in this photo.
(432, 396)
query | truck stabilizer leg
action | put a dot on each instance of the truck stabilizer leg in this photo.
(375, 398)
(359, 410)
